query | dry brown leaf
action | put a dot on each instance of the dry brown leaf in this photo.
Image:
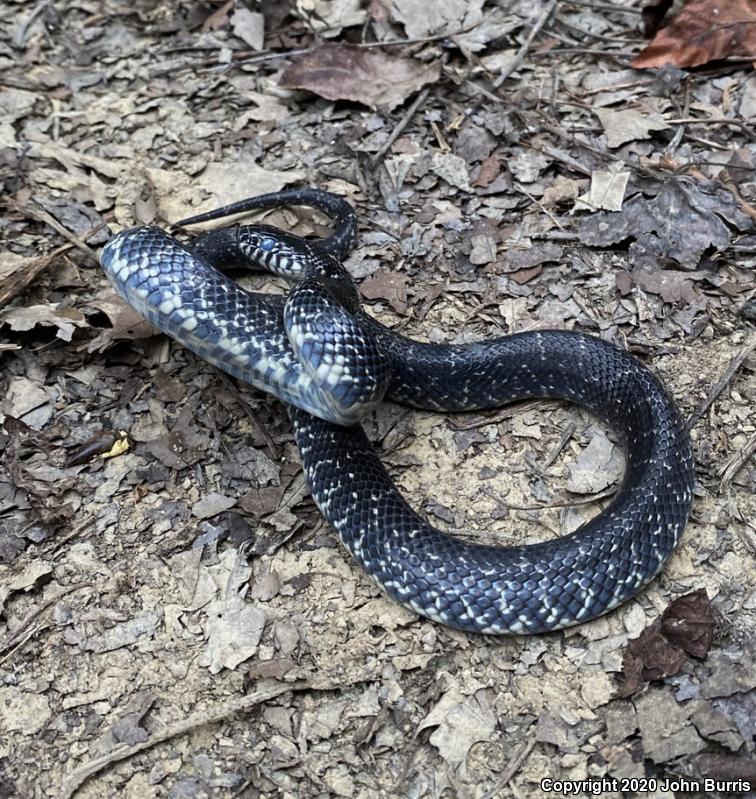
(703, 31)
(389, 286)
(631, 124)
(678, 226)
(51, 314)
(489, 170)
(341, 72)
(686, 628)
(218, 184)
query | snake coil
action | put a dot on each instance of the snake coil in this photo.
(330, 362)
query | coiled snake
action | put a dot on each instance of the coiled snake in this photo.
(331, 363)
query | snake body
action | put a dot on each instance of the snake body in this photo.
(330, 362)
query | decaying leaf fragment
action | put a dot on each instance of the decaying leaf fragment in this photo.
(607, 190)
(329, 17)
(703, 31)
(686, 628)
(631, 124)
(677, 226)
(341, 72)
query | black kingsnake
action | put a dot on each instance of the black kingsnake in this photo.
(331, 363)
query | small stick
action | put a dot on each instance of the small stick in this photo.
(17, 281)
(520, 57)
(76, 778)
(403, 122)
(605, 7)
(736, 463)
(243, 59)
(47, 219)
(566, 436)
(515, 764)
(19, 37)
(32, 623)
(532, 199)
(256, 423)
(735, 364)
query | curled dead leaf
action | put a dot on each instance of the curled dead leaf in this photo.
(686, 628)
(342, 72)
(703, 31)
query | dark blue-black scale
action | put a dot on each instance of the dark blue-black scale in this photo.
(524, 589)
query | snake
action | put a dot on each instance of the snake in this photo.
(331, 363)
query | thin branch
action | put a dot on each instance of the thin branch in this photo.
(604, 7)
(407, 118)
(735, 363)
(217, 713)
(514, 765)
(736, 463)
(521, 53)
(269, 56)
(19, 37)
(402, 124)
(47, 219)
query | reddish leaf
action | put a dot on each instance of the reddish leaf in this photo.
(686, 626)
(341, 72)
(389, 286)
(653, 16)
(650, 656)
(703, 31)
(489, 170)
(689, 623)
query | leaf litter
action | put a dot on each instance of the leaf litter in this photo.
(176, 618)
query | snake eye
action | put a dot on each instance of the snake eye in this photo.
(267, 244)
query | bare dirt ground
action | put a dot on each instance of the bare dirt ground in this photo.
(176, 619)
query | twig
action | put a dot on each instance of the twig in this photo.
(736, 463)
(604, 7)
(17, 281)
(582, 34)
(619, 58)
(532, 199)
(520, 57)
(19, 37)
(555, 235)
(28, 628)
(566, 436)
(734, 189)
(674, 142)
(256, 423)
(593, 498)
(403, 122)
(47, 219)
(76, 778)
(514, 765)
(507, 412)
(735, 364)
(566, 159)
(239, 59)
(746, 127)
(22, 277)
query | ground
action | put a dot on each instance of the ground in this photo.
(175, 618)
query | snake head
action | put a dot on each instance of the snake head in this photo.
(274, 250)
(288, 255)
